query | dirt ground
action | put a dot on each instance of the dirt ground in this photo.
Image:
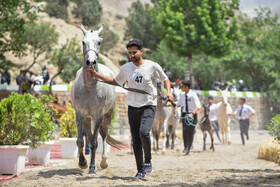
(229, 165)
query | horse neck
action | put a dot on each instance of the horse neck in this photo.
(89, 81)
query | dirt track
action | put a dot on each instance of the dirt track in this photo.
(229, 165)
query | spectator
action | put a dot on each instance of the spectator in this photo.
(31, 80)
(178, 80)
(198, 84)
(6, 77)
(19, 77)
(169, 73)
(46, 74)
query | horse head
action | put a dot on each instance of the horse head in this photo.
(176, 93)
(160, 88)
(206, 111)
(91, 46)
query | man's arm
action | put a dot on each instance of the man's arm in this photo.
(168, 88)
(250, 115)
(104, 78)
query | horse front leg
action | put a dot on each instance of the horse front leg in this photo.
(167, 139)
(228, 135)
(164, 136)
(94, 143)
(204, 140)
(80, 141)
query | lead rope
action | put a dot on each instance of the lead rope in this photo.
(189, 120)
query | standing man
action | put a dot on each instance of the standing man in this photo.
(141, 74)
(245, 112)
(191, 104)
(211, 105)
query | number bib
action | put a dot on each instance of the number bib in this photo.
(139, 79)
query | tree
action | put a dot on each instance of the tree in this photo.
(68, 60)
(139, 25)
(110, 39)
(197, 26)
(90, 11)
(57, 8)
(40, 38)
(14, 15)
(256, 54)
(168, 60)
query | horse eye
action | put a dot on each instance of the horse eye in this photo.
(99, 43)
(84, 43)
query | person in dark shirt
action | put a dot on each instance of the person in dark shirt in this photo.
(6, 77)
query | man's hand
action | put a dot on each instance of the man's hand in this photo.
(191, 115)
(170, 96)
(91, 73)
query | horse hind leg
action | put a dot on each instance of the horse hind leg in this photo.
(212, 140)
(167, 138)
(104, 129)
(228, 135)
(173, 139)
(80, 141)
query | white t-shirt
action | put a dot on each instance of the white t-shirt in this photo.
(212, 116)
(193, 101)
(143, 78)
(246, 111)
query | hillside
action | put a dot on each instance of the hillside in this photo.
(114, 13)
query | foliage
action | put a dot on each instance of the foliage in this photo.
(199, 26)
(256, 54)
(68, 126)
(110, 39)
(90, 11)
(40, 38)
(168, 60)
(14, 15)
(68, 59)
(57, 8)
(139, 25)
(26, 118)
(274, 127)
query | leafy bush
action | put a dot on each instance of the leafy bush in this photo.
(57, 8)
(90, 11)
(274, 127)
(68, 128)
(26, 118)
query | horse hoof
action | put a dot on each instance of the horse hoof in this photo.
(83, 165)
(172, 146)
(92, 172)
(163, 152)
(229, 142)
(103, 163)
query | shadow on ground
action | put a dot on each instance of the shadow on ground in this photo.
(233, 178)
(60, 172)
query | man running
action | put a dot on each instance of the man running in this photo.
(140, 74)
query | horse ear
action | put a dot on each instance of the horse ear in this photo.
(83, 29)
(100, 29)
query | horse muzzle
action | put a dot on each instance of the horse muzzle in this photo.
(91, 64)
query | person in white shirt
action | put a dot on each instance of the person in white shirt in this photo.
(212, 117)
(191, 105)
(245, 112)
(140, 74)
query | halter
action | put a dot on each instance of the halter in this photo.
(90, 50)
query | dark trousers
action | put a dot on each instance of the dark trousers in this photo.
(244, 128)
(188, 132)
(141, 121)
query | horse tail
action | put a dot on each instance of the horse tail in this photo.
(110, 140)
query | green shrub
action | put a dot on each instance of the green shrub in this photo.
(274, 127)
(68, 128)
(25, 118)
(57, 8)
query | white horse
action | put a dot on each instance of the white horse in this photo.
(93, 99)
(222, 111)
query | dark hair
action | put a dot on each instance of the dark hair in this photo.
(186, 83)
(135, 42)
(210, 98)
(243, 99)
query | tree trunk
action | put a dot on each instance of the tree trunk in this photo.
(50, 87)
(191, 78)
